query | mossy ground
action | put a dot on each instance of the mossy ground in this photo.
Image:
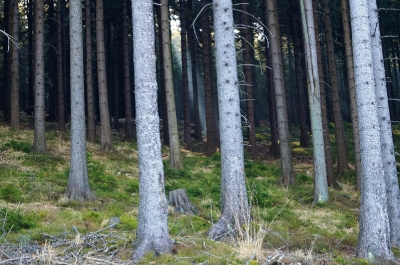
(31, 188)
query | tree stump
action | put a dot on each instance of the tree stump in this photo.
(181, 203)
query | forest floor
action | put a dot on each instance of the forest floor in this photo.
(37, 226)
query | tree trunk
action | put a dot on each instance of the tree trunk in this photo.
(78, 188)
(180, 201)
(91, 123)
(280, 95)
(342, 161)
(235, 209)
(320, 181)
(14, 67)
(152, 233)
(352, 89)
(248, 83)
(388, 153)
(194, 53)
(6, 97)
(330, 173)
(304, 141)
(127, 77)
(274, 149)
(205, 35)
(39, 137)
(60, 87)
(374, 235)
(30, 93)
(106, 143)
(187, 137)
(174, 151)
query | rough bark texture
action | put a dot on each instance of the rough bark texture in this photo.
(328, 154)
(388, 154)
(91, 124)
(352, 88)
(14, 67)
(152, 233)
(246, 40)
(175, 158)
(342, 161)
(187, 138)
(180, 201)
(60, 86)
(374, 235)
(211, 146)
(235, 209)
(78, 188)
(106, 143)
(127, 78)
(320, 181)
(280, 95)
(39, 137)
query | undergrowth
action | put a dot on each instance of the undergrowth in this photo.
(31, 186)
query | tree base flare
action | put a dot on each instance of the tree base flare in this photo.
(223, 229)
(157, 246)
(74, 195)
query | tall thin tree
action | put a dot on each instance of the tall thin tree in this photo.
(211, 145)
(352, 88)
(280, 95)
(91, 125)
(39, 135)
(235, 209)
(246, 44)
(187, 137)
(174, 151)
(14, 67)
(78, 188)
(60, 83)
(342, 161)
(127, 77)
(152, 233)
(106, 143)
(320, 181)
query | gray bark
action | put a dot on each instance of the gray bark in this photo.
(280, 95)
(152, 233)
(106, 143)
(320, 181)
(352, 89)
(324, 112)
(14, 68)
(374, 235)
(235, 209)
(388, 154)
(78, 184)
(180, 201)
(39, 134)
(174, 151)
